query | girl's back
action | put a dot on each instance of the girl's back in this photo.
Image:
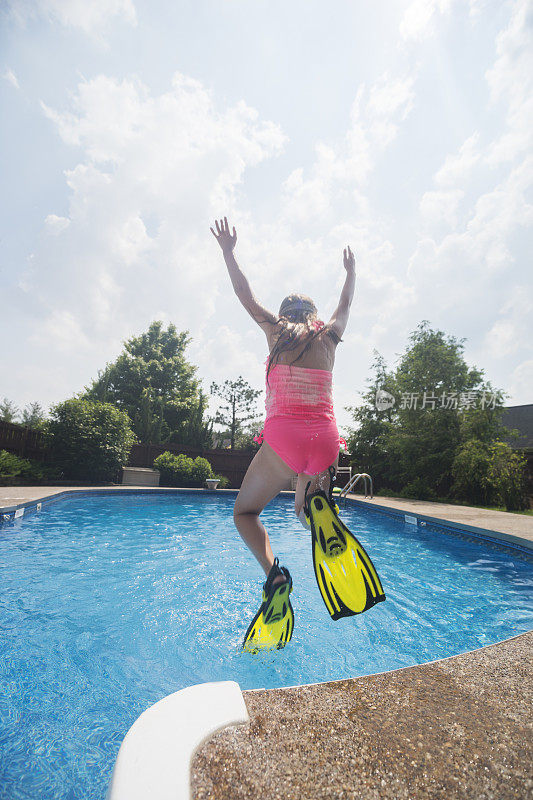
(319, 355)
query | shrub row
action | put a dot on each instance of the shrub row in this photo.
(15, 470)
(484, 475)
(181, 470)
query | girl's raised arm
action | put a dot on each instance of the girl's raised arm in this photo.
(339, 318)
(264, 318)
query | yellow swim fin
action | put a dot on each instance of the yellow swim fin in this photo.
(272, 626)
(345, 574)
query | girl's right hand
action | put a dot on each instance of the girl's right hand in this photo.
(349, 260)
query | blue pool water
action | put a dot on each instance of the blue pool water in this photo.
(107, 604)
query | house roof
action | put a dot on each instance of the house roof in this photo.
(521, 418)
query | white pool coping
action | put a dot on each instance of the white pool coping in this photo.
(154, 760)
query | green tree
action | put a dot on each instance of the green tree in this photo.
(411, 446)
(88, 440)
(238, 412)
(367, 442)
(8, 411)
(156, 386)
(428, 433)
(507, 476)
(470, 470)
(33, 416)
(198, 431)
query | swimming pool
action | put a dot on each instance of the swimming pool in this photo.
(108, 603)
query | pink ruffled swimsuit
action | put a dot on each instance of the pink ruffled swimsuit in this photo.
(300, 423)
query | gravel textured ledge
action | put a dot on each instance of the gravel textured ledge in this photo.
(456, 728)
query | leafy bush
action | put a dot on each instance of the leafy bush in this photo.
(11, 466)
(88, 440)
(222, 481)
(169, 465)
(507, 477)
(491, 475)
(470, 471)
(201, 470)
(418, 489)
(15, 470)
(180, 470)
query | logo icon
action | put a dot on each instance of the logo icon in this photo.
(384, 400)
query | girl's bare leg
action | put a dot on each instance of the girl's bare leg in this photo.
(265, 477)
(321, 481)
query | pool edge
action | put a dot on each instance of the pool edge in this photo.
(516, 541)
(456, 727)
(396, 669)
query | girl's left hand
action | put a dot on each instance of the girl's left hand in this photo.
(225, 239)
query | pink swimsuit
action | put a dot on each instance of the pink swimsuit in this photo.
(300, 423)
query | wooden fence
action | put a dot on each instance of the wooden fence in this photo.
(27, 443)
(23, 442)
(231, 463)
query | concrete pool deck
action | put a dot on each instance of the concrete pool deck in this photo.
(456, 728)
(519, 525)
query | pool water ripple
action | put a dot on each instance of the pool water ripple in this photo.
(107, 604)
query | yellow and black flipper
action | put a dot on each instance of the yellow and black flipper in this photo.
(345, 574)
(272, 626)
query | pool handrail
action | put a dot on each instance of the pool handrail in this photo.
(351, 483)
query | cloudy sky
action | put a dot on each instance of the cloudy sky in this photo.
(400, 127)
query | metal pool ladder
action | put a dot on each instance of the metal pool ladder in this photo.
(352, 482)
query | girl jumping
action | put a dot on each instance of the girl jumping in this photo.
(300, 435)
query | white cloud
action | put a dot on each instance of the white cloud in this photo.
(419, 17)
(225, 345)
(511, 333)
(501, 339)
(521, 383)
(131, 241)
(510, 81)
(156, 171)
(441, 208)
(11, 78)
(477, 6)
(504, 208)
(336, 188)
(471, 218)
(56, 224)
(375, 117)
(90, 16)
(60, 331)
(458, 167)
(419, 20)
(476, 257)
